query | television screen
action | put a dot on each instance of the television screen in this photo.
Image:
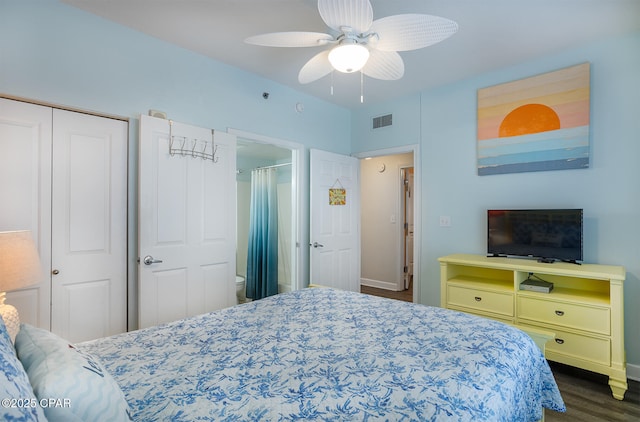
(550, 235)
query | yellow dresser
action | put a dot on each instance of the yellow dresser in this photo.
(584, 310)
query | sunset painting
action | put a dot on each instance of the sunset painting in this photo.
(535, 124)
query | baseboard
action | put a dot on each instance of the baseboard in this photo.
(378, 284)
(633, 372)
(283, 288)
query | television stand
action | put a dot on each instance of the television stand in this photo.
(584, 310)
(546, 260)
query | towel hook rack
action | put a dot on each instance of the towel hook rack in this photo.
(192, 149)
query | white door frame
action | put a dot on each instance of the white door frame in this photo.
(300, 205)
(417, 212)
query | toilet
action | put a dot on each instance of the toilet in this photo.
(240, 290)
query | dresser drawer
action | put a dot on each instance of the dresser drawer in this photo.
(580, 317)
(480, 300)
(591, 349)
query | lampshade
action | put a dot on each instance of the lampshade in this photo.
(19, 261)
(349, 57)
(19, 268)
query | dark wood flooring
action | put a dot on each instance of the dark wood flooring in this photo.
(406, 295)
(586, 395)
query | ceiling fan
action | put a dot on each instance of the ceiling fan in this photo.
(360, 43)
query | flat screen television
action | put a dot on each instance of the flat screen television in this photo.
(547, 234)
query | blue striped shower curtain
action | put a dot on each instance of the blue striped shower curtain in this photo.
(262, 257)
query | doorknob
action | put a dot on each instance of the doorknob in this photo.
(148, 260)
(55, 272)
(317, 245)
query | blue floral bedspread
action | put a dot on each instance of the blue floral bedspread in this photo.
(330, 355)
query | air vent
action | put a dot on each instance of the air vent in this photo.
(382, 121)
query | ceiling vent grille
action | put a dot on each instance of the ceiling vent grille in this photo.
(382, 121)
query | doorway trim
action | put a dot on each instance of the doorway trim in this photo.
(417, 212)
(299, 266)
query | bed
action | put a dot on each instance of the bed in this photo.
(313, 354)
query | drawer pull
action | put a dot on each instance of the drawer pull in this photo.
(478, 298)
(559, 341)
(559, 313)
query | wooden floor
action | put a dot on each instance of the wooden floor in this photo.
(406, 295)
(586, 395)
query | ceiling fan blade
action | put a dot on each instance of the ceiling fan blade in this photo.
(411, 31)
(290, 39)
(315, 68)
(355, 14)
(385, 65)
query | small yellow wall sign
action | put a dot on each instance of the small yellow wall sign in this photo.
(337, 196)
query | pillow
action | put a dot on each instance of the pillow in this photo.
(16, 394)
(81, 388)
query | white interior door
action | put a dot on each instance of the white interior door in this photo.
(89, 226)
(186, 222)
(334, 228)
(25, 189)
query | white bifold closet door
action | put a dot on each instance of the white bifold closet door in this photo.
(63, 176)
(25, 192)
(89, 226)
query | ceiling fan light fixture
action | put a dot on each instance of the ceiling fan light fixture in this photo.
(349, 57)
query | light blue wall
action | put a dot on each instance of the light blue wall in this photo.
(609, 191)
(56, 53)
(405, 129)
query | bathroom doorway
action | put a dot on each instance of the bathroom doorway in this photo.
(255, 152)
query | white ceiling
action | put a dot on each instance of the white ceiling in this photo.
(493, 34)
(249, 150)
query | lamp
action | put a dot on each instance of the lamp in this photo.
(19, 268)
(349, 56)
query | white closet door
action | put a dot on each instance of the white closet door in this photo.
(89, 222)
(25, 192)
(186, 223)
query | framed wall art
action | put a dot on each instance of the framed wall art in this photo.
(539, 123)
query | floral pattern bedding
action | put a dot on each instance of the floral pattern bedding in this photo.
(330, 355)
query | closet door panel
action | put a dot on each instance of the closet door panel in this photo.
(89, 285)
(25, 181)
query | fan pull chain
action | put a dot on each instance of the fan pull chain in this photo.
(361, 87)
(332, 72)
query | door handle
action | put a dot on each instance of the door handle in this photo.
(317, 245)
(148, 260)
